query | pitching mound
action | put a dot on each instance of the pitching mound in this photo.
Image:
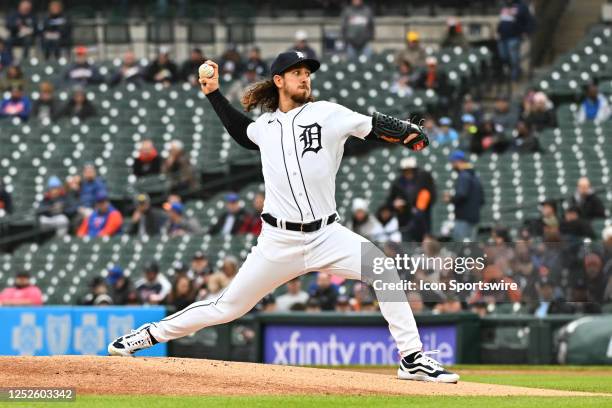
(176, 376)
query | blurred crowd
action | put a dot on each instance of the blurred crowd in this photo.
(555, 271)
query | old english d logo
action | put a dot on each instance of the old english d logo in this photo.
(311, 137)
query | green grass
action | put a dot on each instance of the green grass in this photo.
(589, 383)
(325, 401)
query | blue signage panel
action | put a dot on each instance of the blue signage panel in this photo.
(364, 345)
(56, 330)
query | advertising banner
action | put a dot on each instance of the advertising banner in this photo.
(362, 345)
(47, 331)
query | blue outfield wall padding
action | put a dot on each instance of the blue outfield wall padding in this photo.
(77, 330)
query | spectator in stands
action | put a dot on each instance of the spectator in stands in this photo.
(488, 138)
(294, 295)
(267, 304)
(56, 208)
(129, 72)
(23, 293)
(587, 202)
(430, 127)
(178, 224)
(55, 31)
(90, 186)
(357, 29)
(524, 139)
(454, 34)
(449, 304)
(148, 162)
(222, 278)
(13, 78)
(548, 303)
(232, 220)
(6, 201)
(146, 219)
(549, 218)
(416, 302)
(178, 268)
(538, 111)
(104, 221)
(153, 287)
(412, 197)
(467, 199)
(446, 134)
(178, 169)
(362, 297)
(313, 305)
(414, 52)
(256, 62)
(249, 77)
(252, 222)
(324, 292)
(524, 271)
(390, 225)
(121, 288)
(6, 56)
(200, 270)
(182, 293)
(594, 107)
(343, 304)
(78, 106)
(214, 285)
(163, 70)
(22, 27)
(73, 192)
(433, 78)
(301, 45)
(81, 72)
(471, 107)
(46, 107)
(403, 80)
(189, 69)
(363, 223)
(17, 105)
(230, 64)
(504, 115)
(575, 227)
(594, 278)
(515, 21)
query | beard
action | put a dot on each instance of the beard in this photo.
(302, 96)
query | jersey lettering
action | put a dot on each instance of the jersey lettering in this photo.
(311, 137)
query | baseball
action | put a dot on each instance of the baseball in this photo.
(206, 71)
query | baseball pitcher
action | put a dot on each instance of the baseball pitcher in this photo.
(301, 143)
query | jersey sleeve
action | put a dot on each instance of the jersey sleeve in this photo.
(351, 123)
(252, 132)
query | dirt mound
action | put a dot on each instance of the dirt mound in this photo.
(176, 376)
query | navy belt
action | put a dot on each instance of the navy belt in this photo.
(298, 226)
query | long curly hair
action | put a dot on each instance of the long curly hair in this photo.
(263, 94)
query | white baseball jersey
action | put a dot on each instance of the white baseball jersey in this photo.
(301, 152)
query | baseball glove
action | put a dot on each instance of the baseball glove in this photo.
(394, 130)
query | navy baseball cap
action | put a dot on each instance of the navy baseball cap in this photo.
(286, 60)
(457, 155)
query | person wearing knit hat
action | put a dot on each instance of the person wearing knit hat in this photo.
(414, 52)
(364, 223)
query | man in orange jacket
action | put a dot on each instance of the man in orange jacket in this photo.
(105, 221)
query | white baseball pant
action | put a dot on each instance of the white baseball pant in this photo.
(281, 255)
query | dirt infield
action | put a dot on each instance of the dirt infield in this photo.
(175, 376)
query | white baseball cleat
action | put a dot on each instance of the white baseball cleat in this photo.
(420, 367)
(128, 344)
